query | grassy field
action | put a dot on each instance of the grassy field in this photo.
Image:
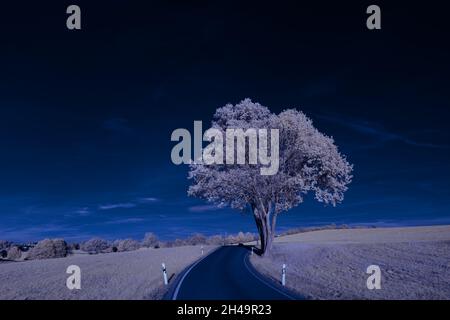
(125, 275)
(331, 264)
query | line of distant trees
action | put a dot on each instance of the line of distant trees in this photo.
(58, 248)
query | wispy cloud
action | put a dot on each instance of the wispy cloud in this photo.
(376, 131)
(83, 211)
(129, 204)
(126, 205)
(126, 220)
(148, 199)
(203, 208)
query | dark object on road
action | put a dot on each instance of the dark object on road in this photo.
(240, 244)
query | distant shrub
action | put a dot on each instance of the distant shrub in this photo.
(172, 243)
(195, 239)
(167, 244)
(95, 245)
(215, 240)
(179, 243)
(4, 244)
(3, 253)
(109, 249)
(127, 245)
(114, 249)
(200, 239)
(48, 248)
(73, 246)
(240, 237)
(244, 237)
(150, 240)
(14, 253)
(230, 239)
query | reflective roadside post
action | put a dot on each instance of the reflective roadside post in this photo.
(283, 275)
(164, 274)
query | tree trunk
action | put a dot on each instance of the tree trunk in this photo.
(262, 234)
(266, 228)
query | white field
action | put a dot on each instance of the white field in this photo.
(124, 275)
(331, 264)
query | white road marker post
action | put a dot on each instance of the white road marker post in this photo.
(252, 250)
(202, 250)
(164, 274)
(283, 275)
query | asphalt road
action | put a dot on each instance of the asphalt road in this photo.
(226, 274)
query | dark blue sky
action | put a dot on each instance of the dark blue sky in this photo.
(86, 116)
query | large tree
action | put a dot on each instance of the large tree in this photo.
(309, 161)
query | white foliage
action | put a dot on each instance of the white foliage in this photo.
(309, 162)
(47, 249)
(95, 245)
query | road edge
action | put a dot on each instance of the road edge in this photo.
(268, 281)
(174, 288)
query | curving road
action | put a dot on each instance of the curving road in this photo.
(226, 274)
